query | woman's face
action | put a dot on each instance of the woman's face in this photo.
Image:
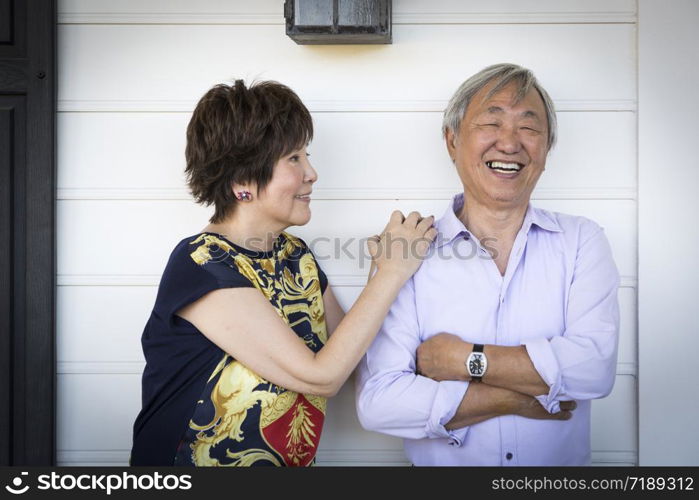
(287, 198)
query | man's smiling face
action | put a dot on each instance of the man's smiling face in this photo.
(501, 147)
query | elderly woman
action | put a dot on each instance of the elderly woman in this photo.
(246, 339)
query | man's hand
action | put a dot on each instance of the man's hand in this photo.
(529, 407)
(442, 357)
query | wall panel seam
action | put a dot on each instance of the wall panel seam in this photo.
(134, 367)
(399, 18)
(152, 280)
(325, 106)
(351, 193)
(349, 456)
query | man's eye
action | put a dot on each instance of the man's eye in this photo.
(530, 129)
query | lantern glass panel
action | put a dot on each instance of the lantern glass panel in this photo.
(313, 13)
(358, 13)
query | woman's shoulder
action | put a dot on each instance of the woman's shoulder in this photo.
(204, 248)
(203, 254)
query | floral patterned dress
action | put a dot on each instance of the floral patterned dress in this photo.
(201, 406)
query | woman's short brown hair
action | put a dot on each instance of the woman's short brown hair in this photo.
(237, 134)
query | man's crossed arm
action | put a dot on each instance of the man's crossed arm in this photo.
(507, 388)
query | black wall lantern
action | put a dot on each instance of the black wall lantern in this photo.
(332, 22)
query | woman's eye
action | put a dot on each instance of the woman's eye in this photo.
(294, 158)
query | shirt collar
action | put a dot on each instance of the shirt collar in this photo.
(450, 227)
(542, 218)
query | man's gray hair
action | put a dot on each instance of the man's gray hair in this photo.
(501, 75)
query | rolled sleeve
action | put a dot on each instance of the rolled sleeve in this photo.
(391, 397)
(446, 402)
(580, 364)
(544, 360)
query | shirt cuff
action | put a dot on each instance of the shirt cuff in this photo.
(446, 402)
(541, 354)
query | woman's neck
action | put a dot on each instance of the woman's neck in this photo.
(247, 231)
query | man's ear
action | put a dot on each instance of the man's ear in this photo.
(450, 139)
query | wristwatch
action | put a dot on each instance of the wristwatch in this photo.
(477, 363)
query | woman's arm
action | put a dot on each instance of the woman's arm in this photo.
(333, 311)
(245, 325)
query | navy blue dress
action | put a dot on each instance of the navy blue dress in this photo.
(202, 407)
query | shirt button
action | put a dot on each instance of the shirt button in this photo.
(509, 456)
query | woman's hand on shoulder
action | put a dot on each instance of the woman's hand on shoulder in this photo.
(403, 244)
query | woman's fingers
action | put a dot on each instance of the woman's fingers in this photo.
(425, 224)
(396, 218)
(412, 220)
(404, 243)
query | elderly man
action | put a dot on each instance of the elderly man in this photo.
(493, 350)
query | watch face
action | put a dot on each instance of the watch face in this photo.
(476, 364)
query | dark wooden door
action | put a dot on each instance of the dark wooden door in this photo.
(27, 232)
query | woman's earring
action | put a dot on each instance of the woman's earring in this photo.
(244, 195)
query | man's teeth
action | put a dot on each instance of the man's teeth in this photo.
(503, 167)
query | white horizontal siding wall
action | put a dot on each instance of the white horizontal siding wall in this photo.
(669, 236)
(132, 71)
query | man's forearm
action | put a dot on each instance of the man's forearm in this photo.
(511, 368)
(483, 402)
(443, 357)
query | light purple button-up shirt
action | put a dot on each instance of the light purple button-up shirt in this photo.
(558, 298)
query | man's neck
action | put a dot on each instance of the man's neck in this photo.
(499, 223)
